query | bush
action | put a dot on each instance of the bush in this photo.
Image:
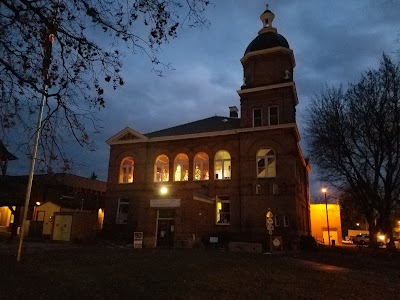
(308, 243)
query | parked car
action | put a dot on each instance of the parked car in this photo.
(361, 239)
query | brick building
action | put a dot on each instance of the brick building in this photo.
(218, 176)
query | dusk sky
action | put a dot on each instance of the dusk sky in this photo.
(333, 42)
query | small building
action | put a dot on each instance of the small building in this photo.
(51, 193)
(319, 223)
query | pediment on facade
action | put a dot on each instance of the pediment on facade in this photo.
(126, 136)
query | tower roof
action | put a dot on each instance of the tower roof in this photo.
(268, 37)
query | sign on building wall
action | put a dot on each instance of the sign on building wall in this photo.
(137, 240)
(165, 202)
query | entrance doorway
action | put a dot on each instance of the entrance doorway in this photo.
(166, 228)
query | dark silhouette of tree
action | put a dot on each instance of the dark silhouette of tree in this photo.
(79, 45)
(354, 137)
(93, 176)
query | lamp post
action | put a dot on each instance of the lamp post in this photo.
(324, 190)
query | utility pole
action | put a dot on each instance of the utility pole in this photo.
(48, 39)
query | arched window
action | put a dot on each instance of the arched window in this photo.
(201, 167)
(266, 163)
(181, 167)
(161, 168)
(126, 170)
(222, 165)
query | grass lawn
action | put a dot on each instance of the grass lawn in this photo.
(99, 272)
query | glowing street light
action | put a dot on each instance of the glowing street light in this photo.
(163, 190)
(324, 190)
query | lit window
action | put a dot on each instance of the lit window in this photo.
(257, 117)
(266, 163)
(273, 115)
(122, 211)
(222, 165)
(223, 213)
(126, 170)
(285, 221)
(161, 168)
(201, 167)
(181, 167)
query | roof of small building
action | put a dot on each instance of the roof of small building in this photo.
(211, 124)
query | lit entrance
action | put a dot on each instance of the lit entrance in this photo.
(166, 228)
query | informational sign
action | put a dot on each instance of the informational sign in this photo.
(138, 240)
(270, 227)
(270, 221)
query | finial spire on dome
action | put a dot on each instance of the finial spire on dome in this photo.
(267, 17)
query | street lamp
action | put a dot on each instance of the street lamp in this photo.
(324, 190)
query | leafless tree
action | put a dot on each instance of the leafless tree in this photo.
(354, 137)
(75, 47)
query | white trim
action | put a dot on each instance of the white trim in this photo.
(271, 87)
(267, 51)
(204, 199)
(114, 140)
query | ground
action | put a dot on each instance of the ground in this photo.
(64, 271)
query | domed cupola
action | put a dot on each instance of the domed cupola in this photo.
(268, 37)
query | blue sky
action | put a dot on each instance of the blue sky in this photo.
(333, 42)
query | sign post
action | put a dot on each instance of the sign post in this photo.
(270, 227)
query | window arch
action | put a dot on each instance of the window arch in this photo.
(222, 165)
(181, 167)
(126, 170)
(266, 163)
(161, 168)
(201, 167)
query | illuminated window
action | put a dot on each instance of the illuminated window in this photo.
(273, 115)
(126, 170)
(161, 168)
(257, 117)
(122, 211)
(181, 167)
(222, 165)
(285, 221)
(201, 167)
(266, 163)
(223, 212)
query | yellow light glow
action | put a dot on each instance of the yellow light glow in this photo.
(38, 203)
(381, 237)
(324, 190)
(358, 224)
(163, 190)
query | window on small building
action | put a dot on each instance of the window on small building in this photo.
(285, 221)
(257, 117)
(266, 163)
(273, 115)
(122, 211)
(223, 212)
(201, 167)
(161, 168)
(181, 167)
(222, 165)
(126, 170)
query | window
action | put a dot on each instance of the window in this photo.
(285, 221)
(266, 164)
(126, 170)
(122, 211)
(181, 167)
(273, 115)
(277, 221)
(223, 210)
(201, 167)
(161, 168)
(222, 165)
(257, 117)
